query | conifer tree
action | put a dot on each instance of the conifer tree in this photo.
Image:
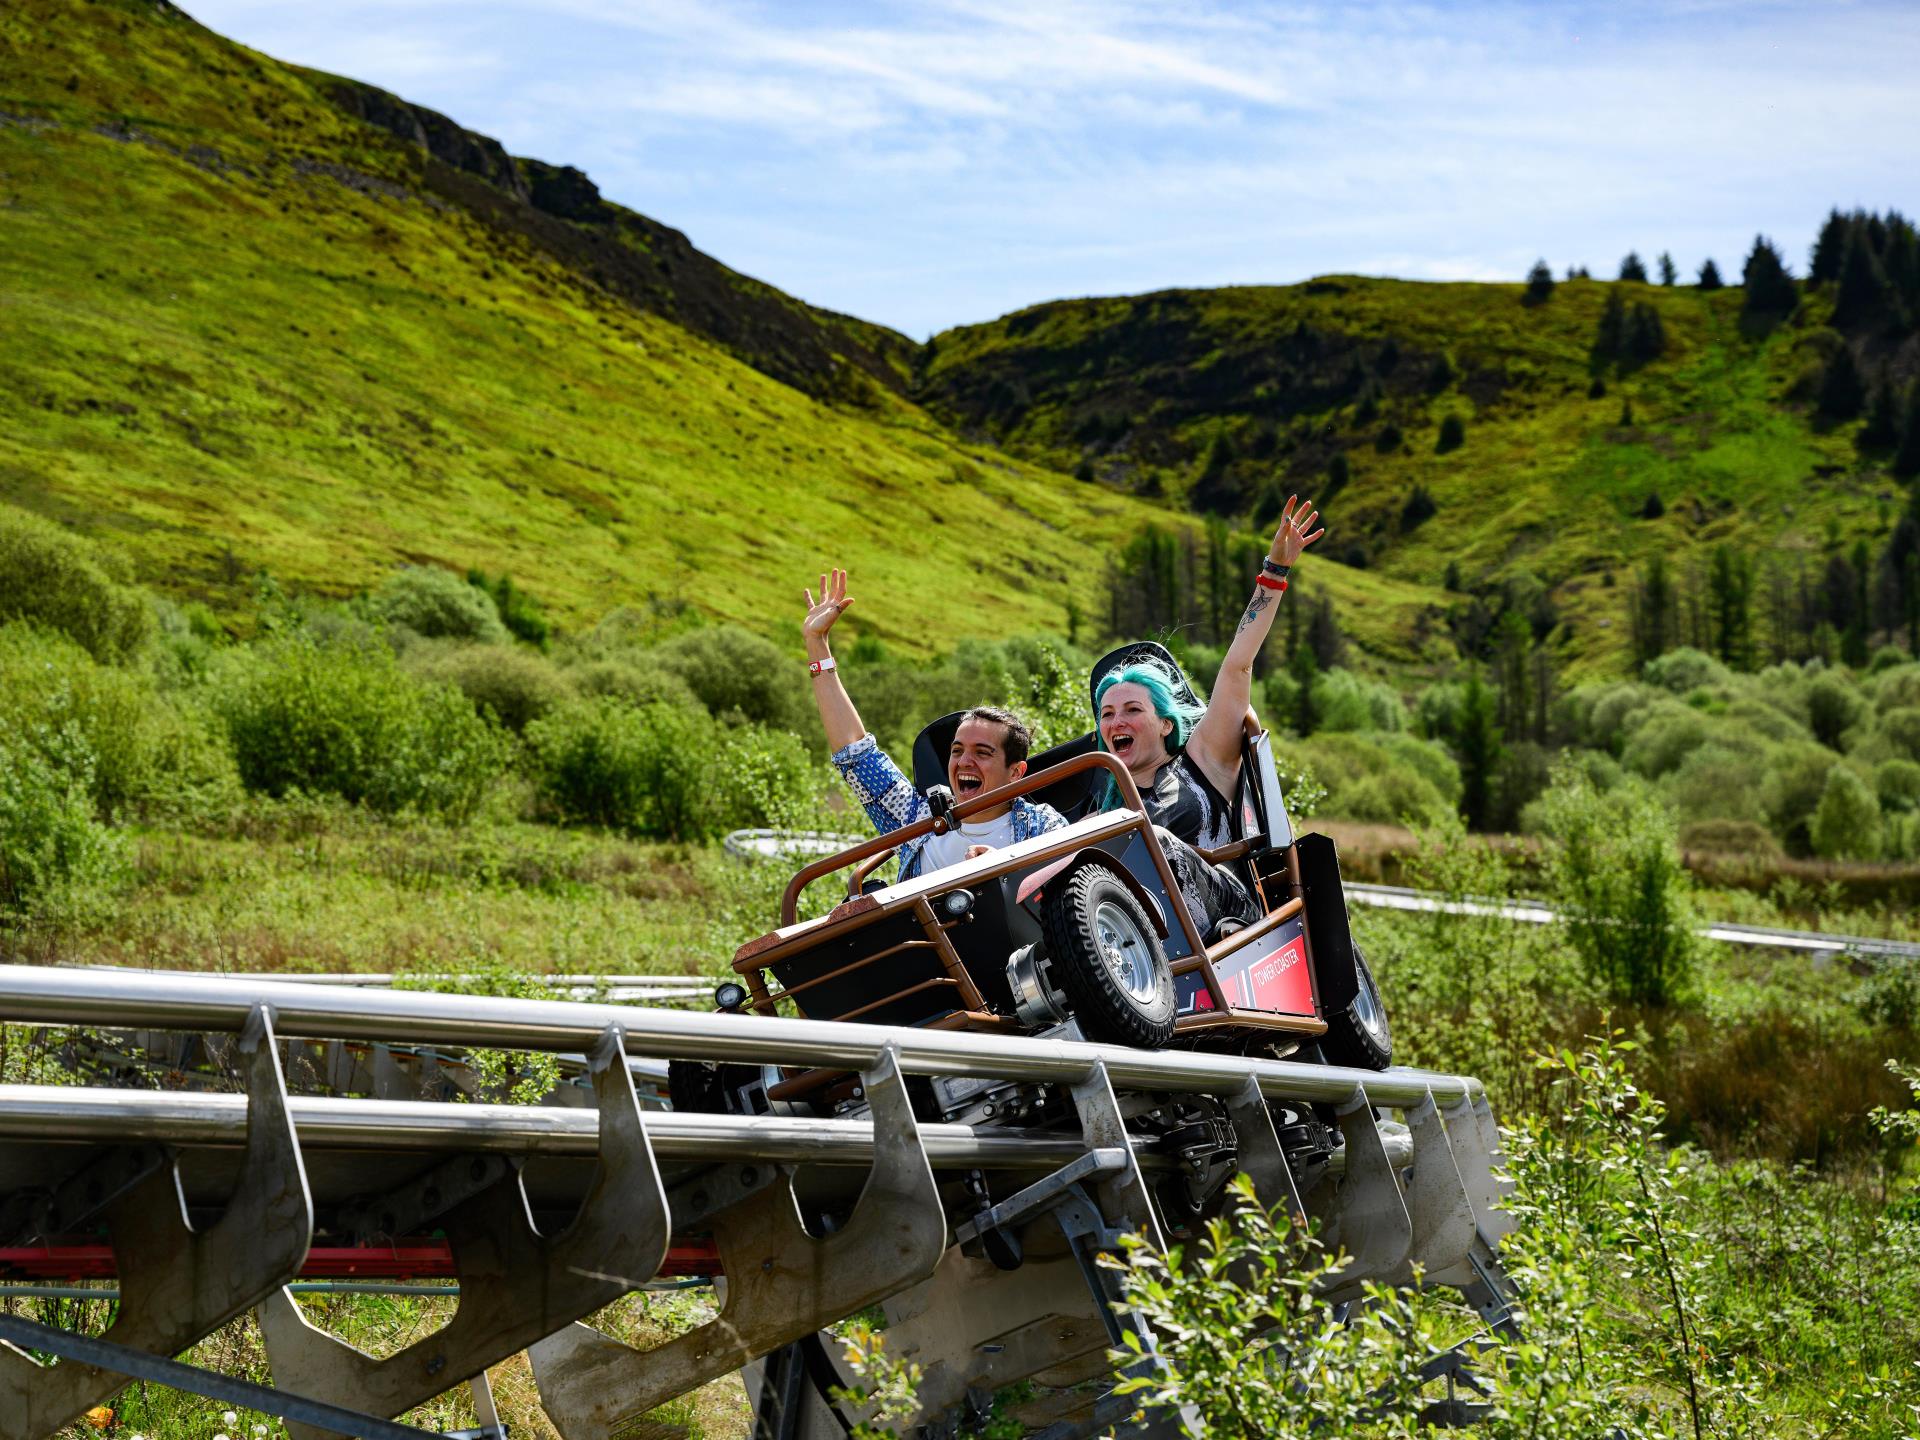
(1730, 600)
(1842, 392)
(1654, 614)
(1480, 751)
(1669, 275)
(1612, 335)
(1861, 296)
(1631, 268)
(1710, 276)
(1304, 669)
(1830, 247)
(1453, 434)
(1329, 646)
(1770, 289)
(1882, 429)
(1646, 337)
(1539, 283)
(1906, 459)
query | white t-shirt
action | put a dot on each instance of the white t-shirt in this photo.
(951, 848)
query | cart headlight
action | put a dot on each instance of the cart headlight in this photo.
(957, 904)
(730, 995)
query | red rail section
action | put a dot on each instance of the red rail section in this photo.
(419, 1258)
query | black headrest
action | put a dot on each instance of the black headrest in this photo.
(1133, 654)
(1071, 797)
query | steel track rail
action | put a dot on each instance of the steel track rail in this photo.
(59, 1113)
(134, 1000)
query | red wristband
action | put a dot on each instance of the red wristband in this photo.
(1267, 582)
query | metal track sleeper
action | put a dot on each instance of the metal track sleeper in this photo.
(515, 1284)
(782, 1283)
(177, 1285)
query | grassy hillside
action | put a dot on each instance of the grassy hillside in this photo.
(1218, 398)
(246, 331)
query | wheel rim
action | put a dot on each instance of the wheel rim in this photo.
(1366, 1009)
(1127, 952)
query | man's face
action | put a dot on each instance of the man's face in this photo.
(978, 759)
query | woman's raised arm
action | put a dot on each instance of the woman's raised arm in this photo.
(1215, 742)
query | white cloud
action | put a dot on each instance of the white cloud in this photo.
(932, 161)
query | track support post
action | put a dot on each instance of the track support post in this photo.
(515, 1284)
(782, 1283)
(178, 1285)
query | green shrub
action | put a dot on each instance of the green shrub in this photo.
(146, 754)
(634, 683)
(1663, 737)
(439, 604)
(514, 685)
(1897, 784)
(1685, 670)
(56, 861)
(1365, 782)
(1615, 712)
(1431, 761)
(645, 770)
(1790, 789)
(344, 718)
(1715, 782)
(1846, 823)
(60, 582)
(740, 676)
(1833, 705)
(1769, 722)
(1345, 700)
(1897, 688)
(1901, 729)
(1621, 888)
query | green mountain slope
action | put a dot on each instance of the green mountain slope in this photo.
(1222, 398)
(245, 329)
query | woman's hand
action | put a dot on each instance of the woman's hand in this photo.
(822, 613)
(1296, 532)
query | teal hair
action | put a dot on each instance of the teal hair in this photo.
(1158, 681)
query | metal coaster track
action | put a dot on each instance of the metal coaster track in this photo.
(978, 1241)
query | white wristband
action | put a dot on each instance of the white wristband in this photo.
(820, 667)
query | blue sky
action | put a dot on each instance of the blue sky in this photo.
(927, 163)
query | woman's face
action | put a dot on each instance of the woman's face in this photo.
(1131, 729)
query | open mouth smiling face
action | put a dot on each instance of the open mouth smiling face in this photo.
(978, 759)
(1130, 728)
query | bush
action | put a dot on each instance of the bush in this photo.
(343, 718)
(56, 861)
(635, 684)
(740, 676)
(1833, 705)
(1846, 824)
(60, 582)
(1901, 727)
(1663, 738)
(1897, 783)
(1344, 700)
(1365, 782)
(439, 604)
(1453, 434)
(513, 685)
(1790, 789)
(646, 770)
(1684, 670)
(146, 755)
(1622, 891)
(1715, 783)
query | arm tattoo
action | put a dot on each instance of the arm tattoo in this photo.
(1260, 601)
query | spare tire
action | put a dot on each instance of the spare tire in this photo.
(1106, 959)
(1359, 1035)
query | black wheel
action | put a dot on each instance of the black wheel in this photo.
(1358, 1035)
(1107, 960)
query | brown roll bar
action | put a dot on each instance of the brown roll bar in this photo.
(881, 845)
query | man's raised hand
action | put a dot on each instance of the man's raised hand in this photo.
(1296, 531)
(823, 612)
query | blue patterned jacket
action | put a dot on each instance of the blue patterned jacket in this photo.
(891, 802)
